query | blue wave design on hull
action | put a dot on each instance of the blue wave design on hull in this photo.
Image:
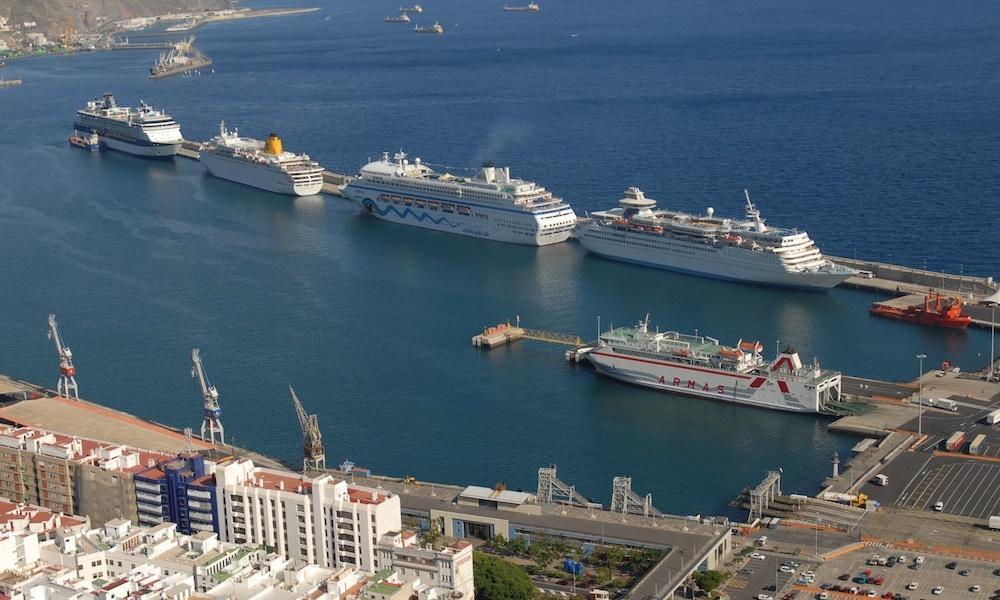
(370, 206)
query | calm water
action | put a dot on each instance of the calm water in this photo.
(874, 126)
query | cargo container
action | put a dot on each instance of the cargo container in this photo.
(994, 522)
(955, 442)
(993, 418)
(976, 447)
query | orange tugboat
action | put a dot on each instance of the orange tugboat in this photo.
(935, 312)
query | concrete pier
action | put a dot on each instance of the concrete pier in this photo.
(889, 278)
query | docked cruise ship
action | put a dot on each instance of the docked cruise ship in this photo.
(696, 365)
(490, 205)
(735, 249)
(143, 131)
(264, 165)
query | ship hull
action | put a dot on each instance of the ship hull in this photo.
(502, 225)
(266, 178)
(727, 263)
(925, 319)
(768, 391)
(141, 149)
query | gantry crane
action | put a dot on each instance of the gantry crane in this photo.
(313, 454)
(67, 372)
(211, 426)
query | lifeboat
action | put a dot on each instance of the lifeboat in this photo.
(682, 352)
(731, 353)
(751, 346)
(657, 229)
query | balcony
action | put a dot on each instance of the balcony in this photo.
(146, 486)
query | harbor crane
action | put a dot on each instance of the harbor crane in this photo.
(211, 427)
(313, 454)
(67, 372)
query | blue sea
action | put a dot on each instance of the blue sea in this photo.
(874, 125)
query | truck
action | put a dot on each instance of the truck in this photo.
(945, 404)
(995, 522)
(976, 447)
(882, 480)
(955, 442)
(993, 418)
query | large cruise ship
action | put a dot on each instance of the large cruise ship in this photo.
(490, 205)
(697, 365)
(734, 249)
(143, 131)
(264, 165)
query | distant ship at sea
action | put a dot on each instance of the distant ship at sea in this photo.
(402, 18)
(735, 249)
(183, 57)
(263, 165)
(435, 28)
(143, 131)
(531, 7)
(491, 204)
(416, 8)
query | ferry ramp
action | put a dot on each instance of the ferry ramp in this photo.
(553, 337)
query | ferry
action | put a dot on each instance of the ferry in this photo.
(734, 249)
(416, 8)
(88, 141)
(143, 131)
(402, 18)
(491, 204)
(700, 366)
(531, 7)
(435, 28)
(939, 313)
(263, 165)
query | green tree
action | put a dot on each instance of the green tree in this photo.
(709, 580)
(517, 546)
(497, 579)
(498, 543)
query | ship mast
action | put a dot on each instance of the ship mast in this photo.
(754, 214)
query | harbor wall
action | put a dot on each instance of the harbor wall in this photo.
(914, 280)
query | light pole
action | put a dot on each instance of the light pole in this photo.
(920, 393)
(993, 335)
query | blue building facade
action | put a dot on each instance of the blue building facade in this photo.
(178, 491)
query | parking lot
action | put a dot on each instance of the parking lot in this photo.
(766, 577)
(931, 573)
(938, 424)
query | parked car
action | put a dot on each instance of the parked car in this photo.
(746, 571)
(920, 561)
(901, 559)
(757, 555)
(964, 572)
(976, 588)
(912, 585)
(938, 506)
(952, 565)
(844, 577)
(786, 569)
(938, 590)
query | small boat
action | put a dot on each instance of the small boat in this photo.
(88, 141)
(531, 7)
(416, 8)
(435, 28)
(403, 18)
(947, 313)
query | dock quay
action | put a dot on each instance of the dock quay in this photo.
(505, 333)
(896, 279)
(189, 150)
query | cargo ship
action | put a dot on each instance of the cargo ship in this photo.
(697, 365)
(937, 313)
(416, 8)
(709, 245)
(531, 7)
(435, 28)
(183, 57)
(402, 18)
(88, 141)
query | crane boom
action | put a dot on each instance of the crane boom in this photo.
(67, 372)
(211, 426)
(299, 411)
(313, 454)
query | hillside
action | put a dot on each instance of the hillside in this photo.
(85, 15)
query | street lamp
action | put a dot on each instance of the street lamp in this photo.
(993, 335)
(920, 392)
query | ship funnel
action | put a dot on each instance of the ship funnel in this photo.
(489, 172)
(788, 360)
(273, 145)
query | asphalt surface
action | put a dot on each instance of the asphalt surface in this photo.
(866, 388)
(939, 424)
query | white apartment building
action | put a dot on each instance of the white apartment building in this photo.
(449, 568)
(311, 520)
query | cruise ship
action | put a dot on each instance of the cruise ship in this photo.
(696, 365)
(490, 205)
(743, 250)
(264, 165)
(143, 131)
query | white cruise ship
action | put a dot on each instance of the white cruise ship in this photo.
(264, 165)
(734, 249)
(696, 365)
(490, 205)
(143, 131)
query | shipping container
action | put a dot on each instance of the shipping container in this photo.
(955, 442)
(976, 447)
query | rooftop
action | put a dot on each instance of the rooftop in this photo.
(476, 492)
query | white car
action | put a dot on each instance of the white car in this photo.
(758, 555)
(872, 594)
(975, 588)
(764, 597)
(912, 585)
(919, 560)
(823, 596)
(787, 569)
(901, 559)
(937, 591)
(938, 506)
(809, 574)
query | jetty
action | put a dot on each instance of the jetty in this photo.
(505, 333)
